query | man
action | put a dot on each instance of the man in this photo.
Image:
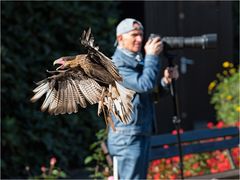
(130, 143)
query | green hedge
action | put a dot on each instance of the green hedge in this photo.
(224, 93)
(33, 35)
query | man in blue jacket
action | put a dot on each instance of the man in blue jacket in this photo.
(130, 143)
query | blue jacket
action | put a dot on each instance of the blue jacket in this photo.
(140, 75)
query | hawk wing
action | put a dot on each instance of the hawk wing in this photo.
(87, 41)
(65, 91)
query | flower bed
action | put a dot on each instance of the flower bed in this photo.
(195, 164)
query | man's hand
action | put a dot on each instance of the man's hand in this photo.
(170, 73)
(153, 46)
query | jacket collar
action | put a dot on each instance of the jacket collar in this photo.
(130, 58)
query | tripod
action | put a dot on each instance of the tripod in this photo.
(175, 119)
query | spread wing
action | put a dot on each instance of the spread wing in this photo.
(65, 91)
(87, 40)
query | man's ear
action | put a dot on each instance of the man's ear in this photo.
(119, 38)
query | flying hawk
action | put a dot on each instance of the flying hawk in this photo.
(85, 79)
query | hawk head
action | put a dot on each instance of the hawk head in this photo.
(64, 62)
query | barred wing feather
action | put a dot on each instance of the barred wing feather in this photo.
(64, 93)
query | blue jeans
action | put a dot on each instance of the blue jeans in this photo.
(132, 153)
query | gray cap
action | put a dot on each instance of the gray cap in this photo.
(126, 26)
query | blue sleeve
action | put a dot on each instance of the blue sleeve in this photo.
(141, 81)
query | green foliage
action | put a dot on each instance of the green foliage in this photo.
(33, 35)
(225, 94)
(97, 161)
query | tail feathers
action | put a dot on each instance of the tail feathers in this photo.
(123, 104)
(116, 100)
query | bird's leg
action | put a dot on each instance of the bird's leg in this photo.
(111, 123)
(106, 101)
(110, 107)
(101, 104)
(109, 97)
(105, 117)
(101, 100)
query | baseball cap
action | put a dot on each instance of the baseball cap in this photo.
(126, 26)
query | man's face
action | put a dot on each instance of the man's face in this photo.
(132, 40)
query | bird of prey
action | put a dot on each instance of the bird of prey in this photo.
(85, 79)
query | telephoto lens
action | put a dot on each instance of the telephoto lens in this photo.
(206, 41)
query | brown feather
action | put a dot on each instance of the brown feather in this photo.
(98, 56)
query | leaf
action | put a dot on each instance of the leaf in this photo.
(63, 174)
(88, 160)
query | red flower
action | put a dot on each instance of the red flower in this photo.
(187, 173)
(181, 131)
(223, 167)
(195, 165)
(221, 157)
(156, 176)
(174, 132)
(220, 124)
(175, 159)
(43, 169)
(235, 154)
(188, 156)
(210, 125)
(211, 162)
(217, 152)
(53, 161)
(156, 162)
(238, 124)
(172, 177)
(213, 170)
(165, 146)
(168, 161)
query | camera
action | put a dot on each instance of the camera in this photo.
(206, 41)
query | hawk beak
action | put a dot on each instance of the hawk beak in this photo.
(59, 61)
